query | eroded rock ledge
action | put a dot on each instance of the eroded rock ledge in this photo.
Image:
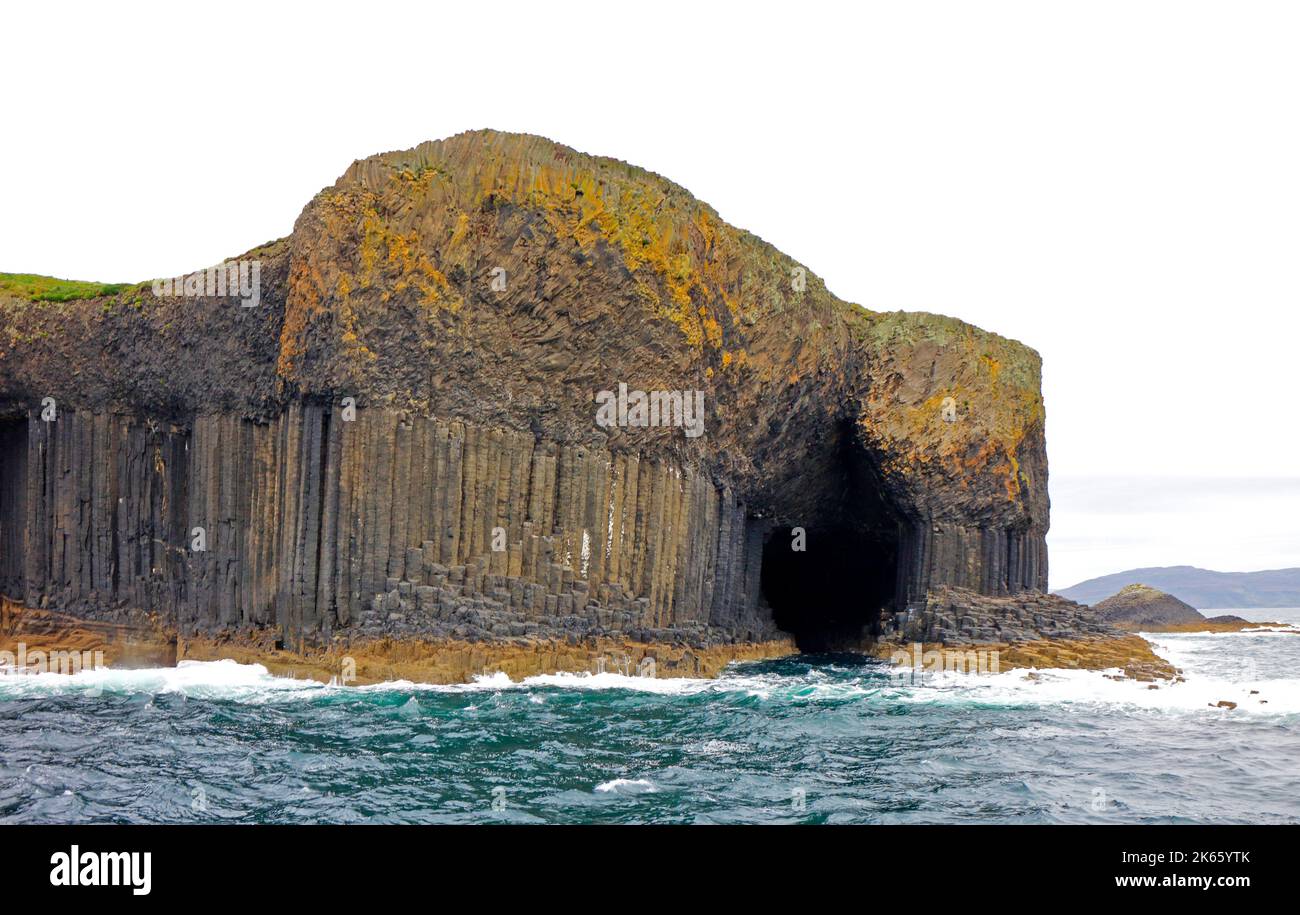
(1033, 630)
(416, 387)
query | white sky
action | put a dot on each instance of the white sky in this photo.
(1116, 184)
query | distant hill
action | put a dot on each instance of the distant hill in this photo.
(1202, 588)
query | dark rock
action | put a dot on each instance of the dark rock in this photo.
(1140, 607)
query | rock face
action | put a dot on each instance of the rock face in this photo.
(956, 617)
(1141, 607)
(401, 439)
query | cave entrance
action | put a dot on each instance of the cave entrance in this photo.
(13, 505)
(830, 594)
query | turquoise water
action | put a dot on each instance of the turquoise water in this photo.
(834, 739)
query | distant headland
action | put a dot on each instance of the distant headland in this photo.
(1202, 588)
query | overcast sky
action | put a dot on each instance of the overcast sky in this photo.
(1115, 184)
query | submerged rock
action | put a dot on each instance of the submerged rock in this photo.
(1227, 619)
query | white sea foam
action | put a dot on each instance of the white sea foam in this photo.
(717, 747)
(665, 686)
(1088, 687)
(193, 679)
(627, 786)
(1217, 667)
(586, 681)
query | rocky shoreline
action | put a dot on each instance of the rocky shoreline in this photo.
(1131, 656)
(141, 641)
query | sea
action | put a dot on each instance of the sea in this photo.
(804, 739)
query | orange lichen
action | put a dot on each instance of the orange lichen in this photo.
(699, 271)
(992, 424)
(639, 218)
(383, 249)
(304, 302)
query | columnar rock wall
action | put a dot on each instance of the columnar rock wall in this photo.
(13, 510)
(382, 525)
(997, 561)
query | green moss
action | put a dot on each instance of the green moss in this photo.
(1004, 361)
(36, 288)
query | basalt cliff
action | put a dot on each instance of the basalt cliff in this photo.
(395, 454)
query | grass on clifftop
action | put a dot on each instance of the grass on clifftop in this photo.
(36, 288)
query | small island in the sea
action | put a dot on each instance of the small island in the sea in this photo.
(499, 405)
(1141, 608)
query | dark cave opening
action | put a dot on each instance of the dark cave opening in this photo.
(13, 501)
(828, 587)
(829, 594)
